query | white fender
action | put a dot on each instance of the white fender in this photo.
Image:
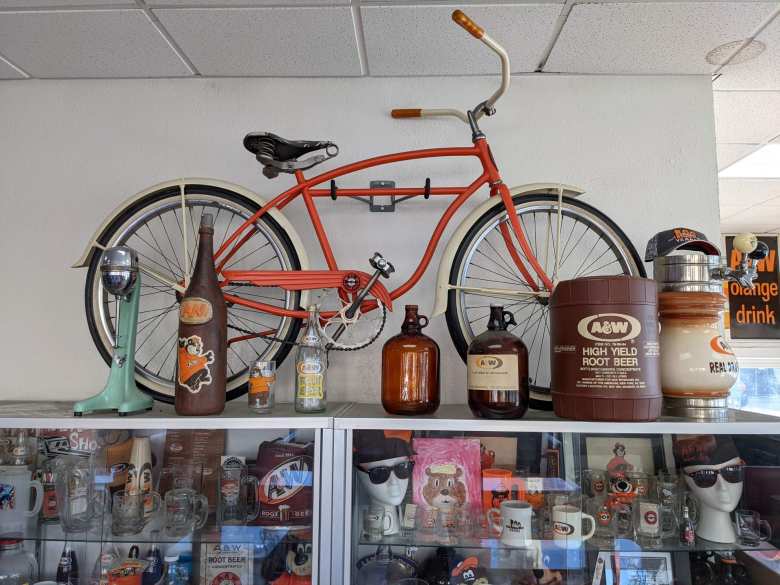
(445, 265)
(275, 213)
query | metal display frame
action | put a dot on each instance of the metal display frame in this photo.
(333, 487)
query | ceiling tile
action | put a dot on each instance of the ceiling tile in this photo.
(223, 3)
(642, 37)
(763, 72)
(60, 3)
(731, 153)
(8, 72)
(423, 40)
(746, 116)
(746, 193)
(735, 225)
(755, 219)
(93, 43)
(727, 211)
(266, 41)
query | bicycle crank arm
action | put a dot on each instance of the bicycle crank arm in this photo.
(500, 293)
(350, 312)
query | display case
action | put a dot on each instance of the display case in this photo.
(362, 497)
(454, 499)
(226, 500)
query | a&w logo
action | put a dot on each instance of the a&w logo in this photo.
(285, 480)
(609, 327)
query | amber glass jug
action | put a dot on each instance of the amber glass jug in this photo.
(497, 366)
(410, 368)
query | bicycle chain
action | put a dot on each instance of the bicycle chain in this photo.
(287, 342)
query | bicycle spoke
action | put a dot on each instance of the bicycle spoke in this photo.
(170, 243)
(604, 253)
(504, 270)
(593, 247)
(602, 267)
(234, 262)
(164, 343)
(491, 280)
(159, 249)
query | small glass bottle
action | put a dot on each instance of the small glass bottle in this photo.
(410, 368)
(687, 534)
(262, 376)
(103, 564)
(68, 568)
(175, 571)
(310, 366)
(153, 573)
(21, 452)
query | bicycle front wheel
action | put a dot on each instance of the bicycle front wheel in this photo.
(588, 243)
(156, 227)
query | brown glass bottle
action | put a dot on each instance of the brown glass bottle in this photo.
(202, 349)
(410, 368)
(497, 366)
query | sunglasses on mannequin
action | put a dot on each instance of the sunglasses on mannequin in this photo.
(381, 474)
(705, 478)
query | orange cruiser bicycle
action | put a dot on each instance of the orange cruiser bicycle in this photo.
(511, 249)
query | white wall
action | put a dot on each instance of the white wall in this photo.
(70, 151)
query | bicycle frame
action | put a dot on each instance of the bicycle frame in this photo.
(306, 188)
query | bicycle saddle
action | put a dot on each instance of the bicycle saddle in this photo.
(279, 155)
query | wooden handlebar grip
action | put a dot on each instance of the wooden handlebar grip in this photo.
(406, 113)
(472, 27)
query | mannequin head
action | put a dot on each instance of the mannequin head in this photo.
(383, 463)
(393, 490)
(712, 468)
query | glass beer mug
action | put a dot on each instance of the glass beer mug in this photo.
(238, 502)
(78, 500)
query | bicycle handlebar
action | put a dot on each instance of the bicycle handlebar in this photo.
(469, 25)
(478, 33)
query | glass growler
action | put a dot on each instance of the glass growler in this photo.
(497, 366)
(410, 368)
(202, 352)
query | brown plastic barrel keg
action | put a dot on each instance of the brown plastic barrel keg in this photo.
(604, 352)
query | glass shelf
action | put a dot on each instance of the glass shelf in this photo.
(618, 545)
(210, 534)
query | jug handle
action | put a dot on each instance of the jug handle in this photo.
(254, 489)
(38, 498)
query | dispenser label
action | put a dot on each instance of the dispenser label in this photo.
(194, 372)
(195, 311)
(493, 372)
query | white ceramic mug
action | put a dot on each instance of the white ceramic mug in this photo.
(515, 522)
(15, 484)
(376, 520)
(567, 526)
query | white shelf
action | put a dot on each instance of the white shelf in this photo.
(458, 417)
(449, 417)
(162, 416)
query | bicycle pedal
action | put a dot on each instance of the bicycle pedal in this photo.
(381, 265)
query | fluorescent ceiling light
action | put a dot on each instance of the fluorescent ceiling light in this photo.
(761, 164)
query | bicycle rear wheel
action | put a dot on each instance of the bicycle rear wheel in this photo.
(590, 244)
(156, 227)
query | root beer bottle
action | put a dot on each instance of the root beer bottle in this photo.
(497, 366)
(202, 350)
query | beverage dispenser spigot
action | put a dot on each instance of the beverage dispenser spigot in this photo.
(120, 277)
(752, 252)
